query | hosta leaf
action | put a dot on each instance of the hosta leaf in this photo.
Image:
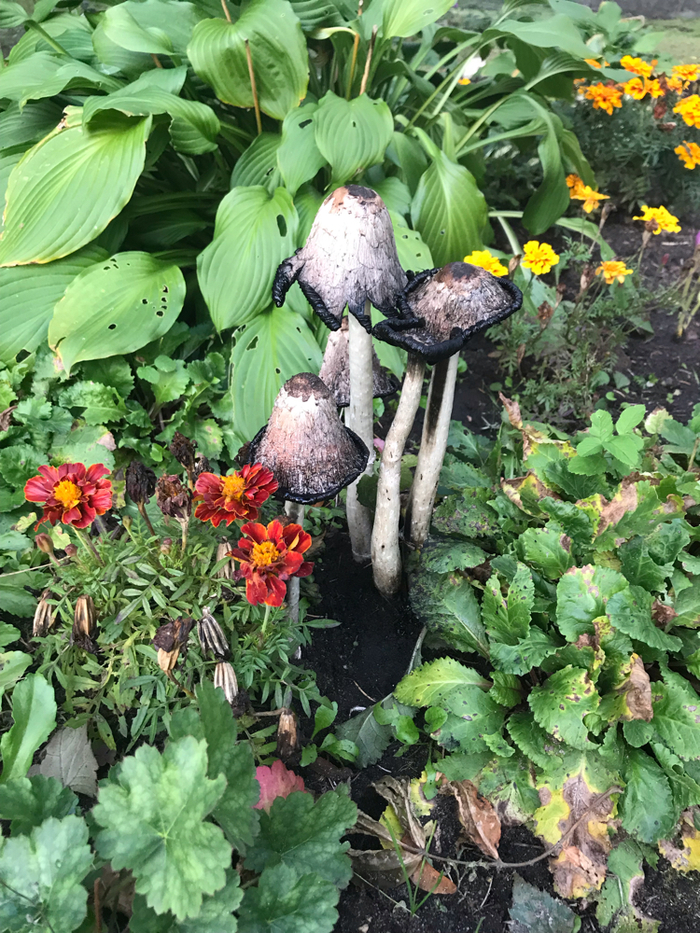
(446, 604)
(254, 232)
(352, 135)
(42, 875)
(298, 156)
(68, 187)
(277, 49)
(407, 17)
(216, 915)
(27, 802)
(157, 27)
(432, 683)
(313, 14)
(258, 164)
(449, 210)
(647, 805)
(34, 715)
(116, 307)
(268, 351)
(676, 715)
(153, 824)
(305, 835)
(630, 612)
(561, 703)
(28, 295)
(43, 75)
(26, 126)
(283, 902)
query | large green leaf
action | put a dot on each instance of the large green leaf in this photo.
(630, 612)
(153, 819)
(116, 307)
(446, 604)
(676, 716)
(34, 715)
(283, 902)
(407, 17)
(314, 14)
(557, 32)
(552, 198)
(268, 351)
(43, 75)
(508, 619)
(42, 878)
(194, 126)
(216, 915)
(156, 27)
(647, 804)
(28, 295)
(277, 49)
(67, 188)
(27, 802)
(258, 164)
(561, 703)
(353, 134)
(298, 156)
(449, 210)
(432, 683)
(254, 232)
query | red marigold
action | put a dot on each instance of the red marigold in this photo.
(268, 557)
(229, 498)
(70, 494)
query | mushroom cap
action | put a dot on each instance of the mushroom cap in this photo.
(448, 306)
(350, 256)
(311, 453)
(335, 369)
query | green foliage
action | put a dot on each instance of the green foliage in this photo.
(34, 717)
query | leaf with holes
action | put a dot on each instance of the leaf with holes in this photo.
(65, 190)
(254, 232)
(298, 156)
(352, 135)
(116, 307)
(561, 703)
(268, 351)
(277, 50)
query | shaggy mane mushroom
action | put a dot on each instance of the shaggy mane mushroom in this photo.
(336, 375)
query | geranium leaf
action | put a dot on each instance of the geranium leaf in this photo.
(153, 824)
(352, 134)
(276, 781)
(283, 902)
(42, 875)
(34, 715)
(562, 701)
(27, 802)
(67, 188)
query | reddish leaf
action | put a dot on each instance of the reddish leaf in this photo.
(276, 781)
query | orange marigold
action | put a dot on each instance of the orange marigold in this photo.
(71, 494)
(689, 109)
(604, 97)
(637, 66)
(686, 73)
(613, 270)
(580, 192)
(269, 557)
(688, 153)
(234, 497)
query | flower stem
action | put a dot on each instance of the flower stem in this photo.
(268, 610)
(144, 515)
(87, 543)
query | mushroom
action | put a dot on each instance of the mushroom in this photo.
(334, 370)
(311, 453)
(350, 258)
(442, 309)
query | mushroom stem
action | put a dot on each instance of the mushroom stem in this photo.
(386, 555)
(433, 445)
(295, 512)
(360, 420)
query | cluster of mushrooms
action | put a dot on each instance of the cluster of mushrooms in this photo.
(350, 259)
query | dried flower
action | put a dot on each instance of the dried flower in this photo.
(225, 679)
(613, 271)
(70, 494)
(201, 465)
(604, 97)
(166, 545)
(140, 486)
(234, 497)
(84, 622)
(484, 259)
(169, 639)
(227, 571)
(689, 154)
(286, 734)
(43, 616)
(182, 449)
(539, 257)
(270, 556)
(658, 219)
(167, 659)
(211, 637)
(172, 498)
(689, 109)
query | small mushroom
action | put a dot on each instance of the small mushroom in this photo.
(350, 259)
(335, 373)
(442, 309)
(311, 453)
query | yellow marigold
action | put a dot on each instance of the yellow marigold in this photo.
(575, 183)
(659, 219)
(464, 81)
(638, 88)
(592, 62)
(675, 84)
(686, 72)
(590, 198)
(539, 257)
(654, 88)
(604, 97)
(689, 109)
(613, 270)
(688, 153)
(637, 66)
(484, 259)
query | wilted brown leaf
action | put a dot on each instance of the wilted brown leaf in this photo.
(686, 856)
(529, 486)
(513, 411)
(661, 613)
(476, 815)
(636, 689)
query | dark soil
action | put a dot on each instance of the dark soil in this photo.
(361, 661)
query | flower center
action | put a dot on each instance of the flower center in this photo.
(265, 554)
(67, 493)
(233, 487)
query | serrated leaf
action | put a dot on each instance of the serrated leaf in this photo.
(68, 187)
(216, 915)
(447, 605)
(533, 909)
(625, 874)
(34, 715)
(70, 760)
(548, 549)
(687, 606)
(283, 902)
(465, 515)
(27, 802)
(444, 556)
(508, 619)
(630, 612)
(352, 135)
(677, 715)
(254, 232)
(521, 657)
(432, 683)
(582, 596)
(533, 741)
(506, 690)
(647, 805)
(509, 785)
(305, 835)
(153, 824)
(42, 875)
(471, 715)
(371, 737)
(561, 703)
(640, 568)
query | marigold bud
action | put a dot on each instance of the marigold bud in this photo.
(44, 543)
(71, 550)
(211, 637)
(84, 620)
(513, 264)
(43, 616)
(225, 678)
(286, 734)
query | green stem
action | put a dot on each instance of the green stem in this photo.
(87, 543)
(46, 37)
(268, 610)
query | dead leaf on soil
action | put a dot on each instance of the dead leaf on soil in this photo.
(70, 760)
(476, 815)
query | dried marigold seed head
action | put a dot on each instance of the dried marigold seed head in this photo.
(140, 482)
(225, 679)
(71, 550)
(286, 734)
(43, 616)
(173, 635)
(167, 659)
(44, 543)
(84, 623)
(211, 636)
(172, 498)
(183, 450)
(227, 570)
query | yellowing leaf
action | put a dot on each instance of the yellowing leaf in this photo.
(686, 856)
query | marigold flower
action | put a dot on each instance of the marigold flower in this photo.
(689, 109)
(613, 270)
(659, 219)
(635, 88)
(604, 97)
(70, 494)
(686, 73)
(270, 556)
(637, 66)
(675, 84)
(238, 496)
(575, 183)
(464, 81)
(484, 260)
(688, 153)
(592, 62)
(539, 257)
(580, 192)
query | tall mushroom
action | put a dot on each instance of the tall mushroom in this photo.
(335, 372)
(310, 452)
(349, 259)
(442, 309)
